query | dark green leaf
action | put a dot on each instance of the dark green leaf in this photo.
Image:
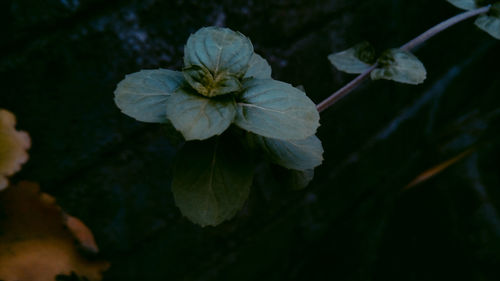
(354, 60)
(198, 117)
(400, 66)
(293, 154)
(211, 181)
(490, 23)
(214, 55)
(143, 95)
(300, 179)
(277, 110)
(258, 67)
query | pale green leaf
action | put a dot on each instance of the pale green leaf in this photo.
(211, 181)
(400, 66)
(277, 110)
(301, 88)
(198, 117)
(258, 67)
(354, 60)
(293, 154)
(214, 55)
(491, 22)
(218, 49)
(143, 95)
(464, 4)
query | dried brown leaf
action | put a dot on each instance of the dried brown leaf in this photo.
(37, 239)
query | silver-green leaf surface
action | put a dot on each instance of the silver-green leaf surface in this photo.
(490, 22)
(143, 95)
(211, 181)
(214, 55)
(354, 60)
(400, 66)
(293, 154)
(198, 117)
(258, 67)
(277, 110)
(464, 4)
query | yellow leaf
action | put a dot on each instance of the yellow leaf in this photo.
(13, 146)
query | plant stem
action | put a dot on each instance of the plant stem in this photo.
(443, 26)
(345, 90)
(406, 47)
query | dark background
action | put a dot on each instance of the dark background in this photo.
(61, 60)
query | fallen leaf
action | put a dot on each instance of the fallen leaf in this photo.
(13, 146)
(38, 241)
(436, 169)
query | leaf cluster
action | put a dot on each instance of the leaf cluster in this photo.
(401, 65)
(394, 64)
(226, 104)
(489, 22)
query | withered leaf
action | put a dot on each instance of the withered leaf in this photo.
(37, 239)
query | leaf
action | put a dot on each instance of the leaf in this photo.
(400, 66)
(211, 181)
(81, 233)
(464, 4)
(218, 49)
(277, 176)
(213, 56)
(354, 60)
(293, 154)
(426, 175)
(13, 147)
(38, 238)
(208, 85)
(198, 117)
(143, 95)
(277, 110)
(258, 67)
(490, 22)
(300, 179)
(301, 88)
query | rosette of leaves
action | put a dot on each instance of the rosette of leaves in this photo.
(489, 22)
(226, 105)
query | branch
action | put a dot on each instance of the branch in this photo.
(406, 47)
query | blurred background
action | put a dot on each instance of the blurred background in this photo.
(358, 220)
